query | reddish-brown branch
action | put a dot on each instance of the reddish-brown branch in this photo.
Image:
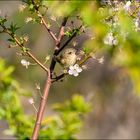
(41, 109)
(58, 78)
(49, 31)
(67, 42)
(61, 32)
(37, 61)
(60, 36)
(49, 80)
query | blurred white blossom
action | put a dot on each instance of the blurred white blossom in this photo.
(31, 101)
(47, 58)
(75, 70)
(22, 7)
(110, 39)
(37, 86)
(137, 24)
(53, 18)
(48, 25)
(84, 67)
(127, 6)
(101, 60)
(25, 63)
(26, 38)
(28, 19)
(74, 43)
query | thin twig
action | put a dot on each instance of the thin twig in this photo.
(60, 36)
(37, 61)
(49, 31)
(28, 53)
(61, 32)
(67, 42)
(32, 56)
(59, 77)
(43, 21)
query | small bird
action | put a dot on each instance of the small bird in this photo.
(68, 57)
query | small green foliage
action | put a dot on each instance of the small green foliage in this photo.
(31, 7)
(68, 33)
(25, 49)
(77, 103)
(2, 21)
(68, 122)
(72, 32)
(11, 40)
(87, 49)
(13, 28)
(21, 40)
(10, 105)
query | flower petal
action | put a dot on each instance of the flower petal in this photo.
(76, 66)
(71, 67)
(70, 72)
(76, 74)
(79, 70)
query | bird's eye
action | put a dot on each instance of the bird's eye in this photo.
(69, 52)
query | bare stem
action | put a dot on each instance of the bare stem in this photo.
(41, 109)
(43, 21)
(37, 61)
(49, 31)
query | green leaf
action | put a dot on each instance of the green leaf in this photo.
(2, 21)
(25, 49)
(68, 33)
(11, 40)
(13, 28)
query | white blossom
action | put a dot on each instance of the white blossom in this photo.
(74, 43)
(48, 57)
(93, 56)
(31, 101)
(25, 63)
(28, 19)
(37, 86)
(137, 24)
(110, 39)
(53, 18)
(26, 38)
(48, 25)
(84, 67)
(22, 7)
(74, 70)
(101, 60)
(127, 6)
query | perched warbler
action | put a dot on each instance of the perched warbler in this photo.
(68, 57)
